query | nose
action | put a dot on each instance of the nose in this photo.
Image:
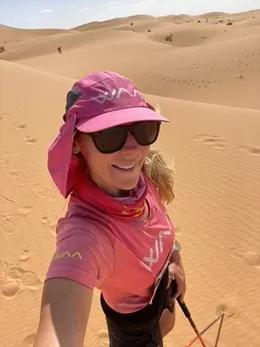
(130, 142)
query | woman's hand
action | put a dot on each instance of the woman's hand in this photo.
(176, 271)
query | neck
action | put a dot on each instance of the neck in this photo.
(117, 193)
(123, 193)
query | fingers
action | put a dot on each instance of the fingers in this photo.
(176, 272)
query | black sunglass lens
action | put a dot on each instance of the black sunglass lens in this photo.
(110, 140)
(146, 133)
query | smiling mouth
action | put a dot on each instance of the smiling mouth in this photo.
(125, 167)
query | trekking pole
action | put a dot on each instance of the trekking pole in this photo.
(207, 327)
(188, 315)
(219, 329)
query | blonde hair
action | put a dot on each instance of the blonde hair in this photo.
(162, 175)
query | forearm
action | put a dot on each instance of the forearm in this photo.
(177, 272)
(176, 255)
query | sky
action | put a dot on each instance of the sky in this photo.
(71, 13)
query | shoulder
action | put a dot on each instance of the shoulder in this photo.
(84, 251)
(68, 227)
(81, 226)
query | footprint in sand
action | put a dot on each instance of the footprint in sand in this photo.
(252, 258)
(24, 211)
(21, 126)
(24, 256)
(14, 278)
(30, 140)
(52, 225)
(229, 307)
(30, 280)
(251, 150)
(38, 190)
(9, 288)
(15, 272)
(44, 220)
(27, 278)
(4, 161)
(6, 225)
(102, 339)
(14, 174)
(211, 140)
(28, 340)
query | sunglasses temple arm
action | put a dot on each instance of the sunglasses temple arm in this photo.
(188, 315)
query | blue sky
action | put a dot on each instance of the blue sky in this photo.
(70, 13)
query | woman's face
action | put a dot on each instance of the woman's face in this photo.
(109, 171)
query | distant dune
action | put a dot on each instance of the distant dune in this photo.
(114, 22)
(12, 36)
(204, 74)
(210, 58)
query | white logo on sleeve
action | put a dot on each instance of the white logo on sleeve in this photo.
(114, 94)
(155, 252)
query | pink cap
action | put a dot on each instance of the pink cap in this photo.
(96, 102)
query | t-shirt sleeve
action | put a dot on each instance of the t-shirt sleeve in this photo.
(83, 254)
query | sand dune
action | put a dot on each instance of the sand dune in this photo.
(13, 37)
(222, 69)
(207, 62)
(115, 22)
(216, 150)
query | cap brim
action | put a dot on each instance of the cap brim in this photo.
(119, 117)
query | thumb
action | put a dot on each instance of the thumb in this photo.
(171, 269)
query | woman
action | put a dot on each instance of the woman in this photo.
(116, 235)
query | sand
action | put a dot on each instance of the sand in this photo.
(207, 81)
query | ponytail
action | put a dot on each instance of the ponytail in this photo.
(157, 169)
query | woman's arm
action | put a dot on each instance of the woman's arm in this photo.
(176, 270)
(64, 314)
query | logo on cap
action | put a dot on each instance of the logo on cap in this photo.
(114, 94)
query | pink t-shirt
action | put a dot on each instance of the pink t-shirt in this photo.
(122, 256)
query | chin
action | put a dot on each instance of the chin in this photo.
(129, 184)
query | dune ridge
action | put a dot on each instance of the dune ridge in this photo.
(203, 59)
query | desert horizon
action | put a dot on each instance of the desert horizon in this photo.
(203, 72)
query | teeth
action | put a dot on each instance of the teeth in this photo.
(125, 167)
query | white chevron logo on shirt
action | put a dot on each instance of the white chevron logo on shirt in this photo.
(155, 252)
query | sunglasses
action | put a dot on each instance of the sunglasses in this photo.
(113, 139)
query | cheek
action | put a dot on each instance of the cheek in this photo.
(97, 162)
(101, 162)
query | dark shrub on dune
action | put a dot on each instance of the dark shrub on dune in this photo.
(169, 38)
